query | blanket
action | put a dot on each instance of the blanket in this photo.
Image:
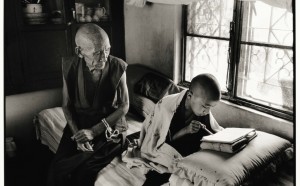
(152, 153)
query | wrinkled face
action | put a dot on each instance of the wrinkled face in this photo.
(200, 104)
(94, 52)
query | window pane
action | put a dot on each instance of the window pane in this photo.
(266, 76)
(206, 56)
(210, 18)
(267, 24)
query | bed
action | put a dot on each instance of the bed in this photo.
(262, 156)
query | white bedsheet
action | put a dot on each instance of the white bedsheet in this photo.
(50, 123)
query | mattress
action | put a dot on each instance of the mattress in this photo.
(49, 125)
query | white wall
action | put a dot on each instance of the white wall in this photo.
(19, 113)
(231, 115)
(151, 36)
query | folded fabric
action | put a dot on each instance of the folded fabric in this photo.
(117, 173)
(175, 180)
(49, 124)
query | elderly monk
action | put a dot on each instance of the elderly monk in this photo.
(95, 101)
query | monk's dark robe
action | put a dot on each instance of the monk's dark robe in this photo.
(185, 145)
(89, 102)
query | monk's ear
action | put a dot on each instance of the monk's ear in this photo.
(78, 52)
(189, 94)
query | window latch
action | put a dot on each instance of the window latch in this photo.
(232, 25)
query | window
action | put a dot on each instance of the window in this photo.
(248, 46)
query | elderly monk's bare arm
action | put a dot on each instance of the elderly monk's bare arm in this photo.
(123, 107)
(123, 102)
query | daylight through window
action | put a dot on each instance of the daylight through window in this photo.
(248, 46)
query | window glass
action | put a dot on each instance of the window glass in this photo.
(266, 76)
(266, 71)
(207, 40)
(210, 18)
(206, 56)
(267, 24)
(263, 56)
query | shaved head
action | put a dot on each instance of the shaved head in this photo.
(208, 86)
(91, 35)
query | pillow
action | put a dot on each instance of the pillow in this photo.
(152, 86)
(142, 105)
(148, 91)
(208, 167)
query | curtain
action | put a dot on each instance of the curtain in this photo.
(286, 4)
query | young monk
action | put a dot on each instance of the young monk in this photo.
(191, 120)
(173, 130)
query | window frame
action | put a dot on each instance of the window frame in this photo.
(234, 56)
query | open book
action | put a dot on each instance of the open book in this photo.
(227, 147)
(229, 140)
(230, 135)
